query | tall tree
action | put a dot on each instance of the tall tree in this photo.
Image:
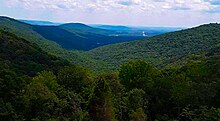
(101, 107)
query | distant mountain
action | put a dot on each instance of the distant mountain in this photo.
(127, 28)
(165, 29)
(47, 37)
(68, 36)
(110, 34)
(85, 28)
(162, 49)
(137, 30)
(42, 23)
(79, 26)
(76, 39)
(111, 27)
(28, 33)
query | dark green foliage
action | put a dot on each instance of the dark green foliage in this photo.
(101, 106)
(159, 50)
(136, 99)
(36, 85)
(40, 98)
(172, 90)
(74, 77)
(138, 115)
(25, 57)
(203, 113)
(184, 93)
(137, 74)
(162, 49)
(27, 32)
(71, 106)
(40, 101)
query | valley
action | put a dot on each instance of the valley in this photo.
(52, 71)
(78, 36)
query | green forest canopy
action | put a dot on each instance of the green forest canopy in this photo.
(37, 85)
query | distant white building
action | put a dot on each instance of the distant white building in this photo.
(143, 33)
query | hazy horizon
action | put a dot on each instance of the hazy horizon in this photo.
(97, 24)
(155, 13)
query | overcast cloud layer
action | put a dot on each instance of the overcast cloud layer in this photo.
(123, 12)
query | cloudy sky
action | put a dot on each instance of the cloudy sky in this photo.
(185, 13)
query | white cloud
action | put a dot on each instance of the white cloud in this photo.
(122, 11)
(154, 5)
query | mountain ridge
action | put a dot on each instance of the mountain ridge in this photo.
(39, 22)
(162, 49)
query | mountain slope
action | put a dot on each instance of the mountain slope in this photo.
(24, 57)
(163, 49)
(27, 32)
(72, 38)
(80, 37)
(160, 50)
(73, 92)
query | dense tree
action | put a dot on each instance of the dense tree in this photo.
(74, 77)
(138, 115)
(40, 96)
(101, 107)
(137, 74)
(169, 48)
(36, 85)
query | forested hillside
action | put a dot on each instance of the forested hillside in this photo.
(171, 77)
(80, 37)
(162, 49)
(24, 57)
(35, 85)
(26, 31)
(68, 36)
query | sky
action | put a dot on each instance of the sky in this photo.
(172, 13)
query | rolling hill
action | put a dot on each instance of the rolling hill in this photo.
(27, 32)
(80, 37)
(35, 85)
(82, 28)
(25, 58)
(162, 49)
